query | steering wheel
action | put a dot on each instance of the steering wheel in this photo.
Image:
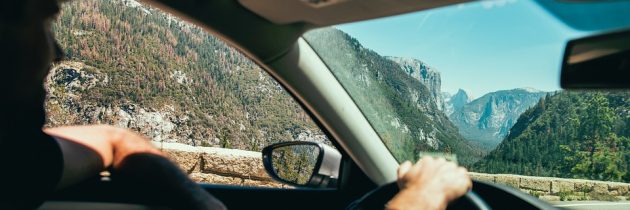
(377, 198)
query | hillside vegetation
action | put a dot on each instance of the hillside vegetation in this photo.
(570, 134)
(134, 66)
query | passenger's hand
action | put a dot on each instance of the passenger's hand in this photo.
(429, 184)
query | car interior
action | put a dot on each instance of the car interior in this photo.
(269, 32)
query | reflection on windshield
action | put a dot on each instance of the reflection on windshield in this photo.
(480, 81)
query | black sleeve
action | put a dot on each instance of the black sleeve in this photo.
(79, 163)
(31, 168)
(154, 177)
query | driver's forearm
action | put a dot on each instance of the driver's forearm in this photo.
(99, 138)
(86, 151)
(79, 163)
(111, 143)
(416, 199)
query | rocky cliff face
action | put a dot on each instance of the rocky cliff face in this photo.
(68, 83)
(456, 102)
(428, 76)
(488, 119)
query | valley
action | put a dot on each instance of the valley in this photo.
(486, 120)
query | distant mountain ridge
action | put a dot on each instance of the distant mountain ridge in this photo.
(398, 95)
(488, 119)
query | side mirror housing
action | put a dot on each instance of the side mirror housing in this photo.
(303, 164)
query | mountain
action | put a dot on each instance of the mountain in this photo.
(488, 119)
(573, 134)
(172, 82)
(428, 76)
(393, 97)
(455, 102)
(135, 67)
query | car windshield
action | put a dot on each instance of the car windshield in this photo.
(480, 82)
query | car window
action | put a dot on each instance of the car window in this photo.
(210, 108)
(479, 83)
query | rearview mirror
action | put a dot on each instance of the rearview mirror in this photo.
(597, 62)
(303, 164)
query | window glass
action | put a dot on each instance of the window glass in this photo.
(479, 83)
(209, 107)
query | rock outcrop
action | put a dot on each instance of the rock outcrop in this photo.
(68, 83)
(424, 73)
(455, 102)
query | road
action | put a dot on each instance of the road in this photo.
(592, 205)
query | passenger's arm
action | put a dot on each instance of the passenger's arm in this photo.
(430, 184)
(88, 150)
(135, 161)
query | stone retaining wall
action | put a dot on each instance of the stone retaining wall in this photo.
(550, 188)
(245, 168)
(219, 165)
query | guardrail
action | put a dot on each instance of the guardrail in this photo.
(245, 168)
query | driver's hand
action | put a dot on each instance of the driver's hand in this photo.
(430, 184)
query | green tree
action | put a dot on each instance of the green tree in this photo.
(596, 154)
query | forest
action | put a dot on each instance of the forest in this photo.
(571, 134)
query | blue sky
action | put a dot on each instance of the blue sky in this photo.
(480, 47)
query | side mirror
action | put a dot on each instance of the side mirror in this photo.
(303, 164)
(597, 62)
